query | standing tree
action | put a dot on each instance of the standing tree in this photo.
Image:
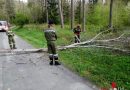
(42, 2)
(72, 14)
(2, 16)
(10, 12)
(65, 9)
(46, 9)
(53, 12)
(83, 18)
(61, 14)
(110, 14)
(36, 8)
(78, 11)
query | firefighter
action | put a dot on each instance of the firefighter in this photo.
(51, 37)
(11, 40)
(77, 31)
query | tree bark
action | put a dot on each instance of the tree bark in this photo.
(72, 14)
(104, 2)
(46, 6)
(61, 14)
(83, 18)
(110, 14)
(80, 11)
(10, 12)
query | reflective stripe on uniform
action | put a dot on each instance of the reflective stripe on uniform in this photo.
(49, 31)
(10, 33)
(55, 55)
(50, 54)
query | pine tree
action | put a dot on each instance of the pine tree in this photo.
(53, 13)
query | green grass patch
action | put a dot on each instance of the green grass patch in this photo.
(32, 35)
(35, 36)
(99, 65)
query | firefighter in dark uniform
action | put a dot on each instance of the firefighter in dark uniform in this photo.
(51, 37)
(77, 31)
(11, 40)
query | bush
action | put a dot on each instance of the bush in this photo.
(21, 20)
(97, 15)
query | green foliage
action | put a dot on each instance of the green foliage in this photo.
(66, 9)
(37, 13)
(78, 12)
(21, 20)
(120, 15)
(53, 11)
(10, 10)
(97, 15)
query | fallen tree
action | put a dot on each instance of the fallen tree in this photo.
(75, 45)
(27, 51)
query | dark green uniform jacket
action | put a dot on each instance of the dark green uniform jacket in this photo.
(11, 39)
(50, 34)
(51, 37)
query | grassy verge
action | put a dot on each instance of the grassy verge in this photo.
(34, 35)
(98, 65)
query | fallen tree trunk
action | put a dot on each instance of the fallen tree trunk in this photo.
(89, 41)
(23, 50)
(110, 39)
(26, 51)
(75, 45)
(106, 47)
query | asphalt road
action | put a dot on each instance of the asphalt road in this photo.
(32, 71)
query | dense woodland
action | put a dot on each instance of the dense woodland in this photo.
(102, 13)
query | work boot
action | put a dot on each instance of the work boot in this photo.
(57, 63)
(11, 47)
(14, 47)
(51, 62)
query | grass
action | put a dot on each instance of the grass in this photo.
(98, 65)
(34, 35)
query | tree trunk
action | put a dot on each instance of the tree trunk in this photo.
(72, 14)
(80, 11)
(61, 14)
(104, 2)
(42, 7)
(110, 14)
(46, 6)
(83, 18)
(10, 12)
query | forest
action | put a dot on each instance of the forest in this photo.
(101, 13)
